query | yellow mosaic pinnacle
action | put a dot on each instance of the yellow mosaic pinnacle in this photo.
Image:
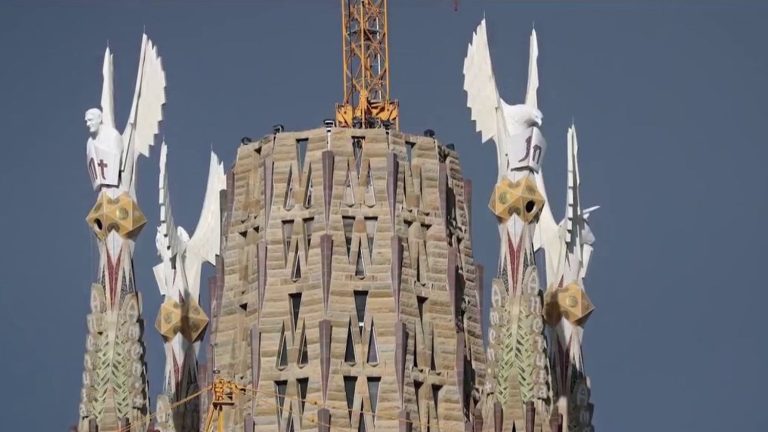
(520, 197)
(121, 214)
(174, 317)
(569, 302)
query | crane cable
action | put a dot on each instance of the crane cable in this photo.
(148, 417)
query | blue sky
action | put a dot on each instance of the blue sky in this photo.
(668, 98)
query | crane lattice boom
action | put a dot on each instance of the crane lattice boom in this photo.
(365, 56)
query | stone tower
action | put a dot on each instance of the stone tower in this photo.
(347, 295)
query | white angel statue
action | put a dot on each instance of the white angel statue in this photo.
(514, 128)
(181, 320)
(111, 156)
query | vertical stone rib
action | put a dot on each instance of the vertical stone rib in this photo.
(255, 356)
(219, 284)
(248, 423)
(268, 171)
(442, 189)
(261, 262)
(459, 365)
(451, 273)
(212, 282)
(401, 345)
(326, 257)
(405, 421)
(530, 416)
(478, 420)
(323, 420)
(498, 417)
(468, 202)
(479, 270)
(393, 171)
(325, 355)
(397, 270)
(328, 160)
(228, 202)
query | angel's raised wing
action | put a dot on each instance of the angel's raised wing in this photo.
(480, 84)
(172, 243)
(107, 92)
(168, 242)
(580, 237)
(547, 235)
(147, 107)
(573, 216)
(206, 240)
(531, 93)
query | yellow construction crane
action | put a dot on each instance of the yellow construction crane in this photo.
(365, 54)
(223, 395)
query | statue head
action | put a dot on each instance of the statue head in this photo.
(93, 120)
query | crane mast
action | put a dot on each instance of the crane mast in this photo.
(365, 56)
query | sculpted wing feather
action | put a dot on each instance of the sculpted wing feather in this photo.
(167, 229)
(573, 216)
(480, 84)
(107, 93)
(147, 107)
(547, 234)
(531, 94)
(167, 239)
(205, 242)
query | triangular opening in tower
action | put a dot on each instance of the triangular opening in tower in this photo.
(373, 349)
(309, 190)
(349, 223)
(295, 300)
(359, 264)
(361, 300)
(301, 151)
(373, 393)
(349, 191)
(349, 350)
(288, 202)
(357, 150)
(302, 384)
(296, 271)
(349, 391)
(287, 237)
(370, 194)
(282, 356)
(370, 233)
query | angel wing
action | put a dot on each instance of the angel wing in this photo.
(147, 107)
(531, 93)
(556, 238)
(480, 84)
(168, 242)
(206, 240)
(173, 243)
(573, 204)
(547, 235)
(588, 239)
(107, 92)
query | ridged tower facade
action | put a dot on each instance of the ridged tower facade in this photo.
(346, 295)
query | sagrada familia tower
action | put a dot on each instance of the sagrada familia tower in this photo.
(345, 295)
